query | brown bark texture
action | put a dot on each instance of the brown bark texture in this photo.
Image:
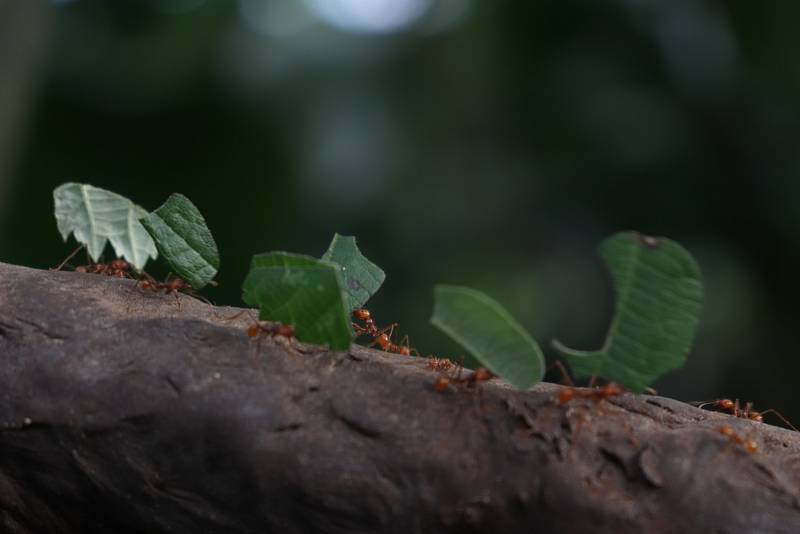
(122, 412)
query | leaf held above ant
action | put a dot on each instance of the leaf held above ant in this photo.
(483, 327)
(185, 241)
(95, 216)
(301, 291)
(362, 277)
(659, 291)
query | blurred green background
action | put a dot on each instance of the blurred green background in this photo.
(492, 144)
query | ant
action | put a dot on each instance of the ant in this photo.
(596, 395)
(735, 409)
(117, 268)
(173, 284)
(481, 374)
(749, 445)
(258, 329)
(439, 364)
(381, 338)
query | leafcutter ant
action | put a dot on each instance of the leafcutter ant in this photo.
(595, 395)
(735, 409)
(117, 268)
(380, 337)
(260, 329)
(748, 444)
(439, 364)
(173, 285)
(481, 374)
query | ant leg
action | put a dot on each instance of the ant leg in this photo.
(781, 417)
(63, 263)
(565, 379)
(592, 381)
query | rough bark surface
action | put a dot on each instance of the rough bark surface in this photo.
(120, 412)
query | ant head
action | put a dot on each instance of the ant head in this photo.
(726, 431)
(253, 329)
(482, 374)
(362, 314)
(120, 265)
(751, 446)
(405, 351)
(611, 390)
(725, 404)
(566, 395)
(383, 340)
(756, 416)
(441, 383)
(81, 269)
(285, 330)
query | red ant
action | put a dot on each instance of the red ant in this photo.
(749, 445)
(735, 409)
(265, 328)
(173, 284)
(481, 374)
(439, 364)
(381, 338)
(596, 395)
(117, 268)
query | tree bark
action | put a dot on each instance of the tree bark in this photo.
(121, 411)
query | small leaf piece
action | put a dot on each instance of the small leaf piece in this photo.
(301, 291)
(362, 277)
(659, 294)
(95, 216)
(184, 240)
(483, 327)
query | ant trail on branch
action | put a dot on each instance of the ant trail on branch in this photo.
(380, 337)
(733, 408)
(748, 444)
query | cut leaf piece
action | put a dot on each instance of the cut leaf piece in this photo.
(659, 294)
(182, 237)
(484, 328)
(301, 291)
(95, 216)
(362, 278)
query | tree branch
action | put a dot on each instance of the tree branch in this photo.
(121, 413)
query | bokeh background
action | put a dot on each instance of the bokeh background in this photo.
(488, 143)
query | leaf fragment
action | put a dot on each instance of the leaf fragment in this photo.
(302, 291)
(659, 293)
(184, 240)
(95, 216)
(487, 331)
(362, 278)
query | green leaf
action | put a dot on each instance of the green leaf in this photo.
(304, 292)
(362, 278)
(184, 240)
(659, 295)
(95, 216)
(484, 328)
